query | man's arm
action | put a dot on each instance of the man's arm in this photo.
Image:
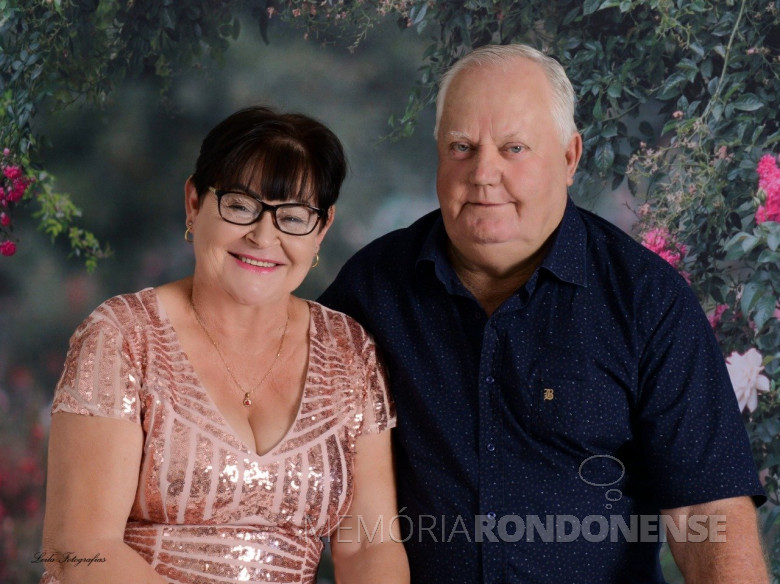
(717, 542)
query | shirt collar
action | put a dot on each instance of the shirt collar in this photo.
(566, 259)
(434, 250)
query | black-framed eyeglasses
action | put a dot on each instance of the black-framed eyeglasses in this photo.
(243, 208)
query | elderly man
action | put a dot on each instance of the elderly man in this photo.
(562, 403)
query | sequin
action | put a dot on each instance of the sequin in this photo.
(207, 508)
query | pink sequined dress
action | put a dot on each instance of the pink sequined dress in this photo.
(208, 509)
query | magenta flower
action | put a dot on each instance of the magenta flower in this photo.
(768, 175)
(716, 315)
(769, 182)
(656, 240)
(7, 248)
(664, 244)
(17, 190)
(5, 220)
(12, 172)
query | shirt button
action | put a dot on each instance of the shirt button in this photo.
(491, 447)
(491, 515)
(489, 379)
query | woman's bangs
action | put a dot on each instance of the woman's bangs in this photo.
(282, 174)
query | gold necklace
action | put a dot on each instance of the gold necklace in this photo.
(247, 401)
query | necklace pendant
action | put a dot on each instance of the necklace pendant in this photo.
(246, 401)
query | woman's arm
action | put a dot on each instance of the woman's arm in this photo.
(93, 470)
(366, 546)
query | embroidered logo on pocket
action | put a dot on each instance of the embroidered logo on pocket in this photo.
(549, 394)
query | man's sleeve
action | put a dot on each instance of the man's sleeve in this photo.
(692, 433)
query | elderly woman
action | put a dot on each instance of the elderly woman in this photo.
(214, 429)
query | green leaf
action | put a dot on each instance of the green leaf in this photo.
(420, 15)
(773, 237)
(688, 68)
(739, 245)
(768, 256)
(751, 294)
(646, 129)
(748, 103)
(765, 307)
(605, 157)
(590, 6)
(615, 89)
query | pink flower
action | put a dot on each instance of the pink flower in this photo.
(761, 215)
(745, 373)
(7, 248)
(716, 315)
(769, 182)
(18, 189)
(656, 239)
(661, 242)
(5, 220)
(768, 174)
(6, 152)
(671, 256)
(12, 172)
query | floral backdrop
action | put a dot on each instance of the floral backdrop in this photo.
(736, 273)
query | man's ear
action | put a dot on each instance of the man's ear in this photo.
(573, 154)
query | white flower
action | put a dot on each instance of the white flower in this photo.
(745, 373)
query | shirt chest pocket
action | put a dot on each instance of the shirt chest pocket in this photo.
(574, 410)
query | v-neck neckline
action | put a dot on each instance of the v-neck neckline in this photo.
(209, 401)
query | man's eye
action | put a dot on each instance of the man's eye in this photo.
(516, 149)
(460, 147)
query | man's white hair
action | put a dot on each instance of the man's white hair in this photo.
(563, 100)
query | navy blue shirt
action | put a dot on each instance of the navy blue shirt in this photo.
(538, 445)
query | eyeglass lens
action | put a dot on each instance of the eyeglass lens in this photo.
(243, 209)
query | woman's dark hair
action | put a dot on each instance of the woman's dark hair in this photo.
(279, 156)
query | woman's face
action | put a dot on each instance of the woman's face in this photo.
(253, 264)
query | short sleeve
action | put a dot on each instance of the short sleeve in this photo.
(378, 406)
(693, 436)
(99, 377)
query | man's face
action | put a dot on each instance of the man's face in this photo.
(503, 169)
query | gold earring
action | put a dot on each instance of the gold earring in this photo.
(188, 236)
(316, 261)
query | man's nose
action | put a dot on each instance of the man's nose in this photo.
(487, 166)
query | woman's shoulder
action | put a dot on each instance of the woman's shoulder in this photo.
(332, 326)
(124, 311)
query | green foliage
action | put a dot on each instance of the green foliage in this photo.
(56, 214)
(56, 53)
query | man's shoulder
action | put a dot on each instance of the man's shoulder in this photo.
(603, 231)
(610, 246)
(379, 272)
(398, 249)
